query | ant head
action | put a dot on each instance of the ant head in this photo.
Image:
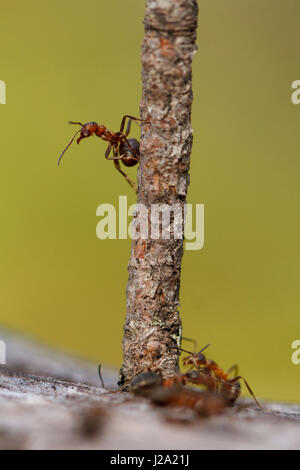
(195, 357)
(87, 129)
(200, 358)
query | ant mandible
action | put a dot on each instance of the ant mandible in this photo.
(195, 377)
(199, 361)
(126, 150)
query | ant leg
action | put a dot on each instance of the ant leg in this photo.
(195, 363)
(128, 127)
(184, 338)
(132, 183)
(235, 379)
(234, 368)
(189, 352)
(131, 118)
(108, 150)
(115, 158)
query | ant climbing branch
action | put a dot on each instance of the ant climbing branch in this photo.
(126, 150)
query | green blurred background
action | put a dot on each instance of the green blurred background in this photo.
(73, 60)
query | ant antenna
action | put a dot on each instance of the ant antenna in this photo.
(100, 376)
(189, 352)
(67, 146)
(204, 348)
(183, 350)
(79, 123)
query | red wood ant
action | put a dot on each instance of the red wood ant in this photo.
(230, 387)
(126, 150)
(170, 392)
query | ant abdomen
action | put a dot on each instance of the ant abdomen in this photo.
(126, 151)
(230, 391)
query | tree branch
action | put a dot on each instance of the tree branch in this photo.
(153, 323)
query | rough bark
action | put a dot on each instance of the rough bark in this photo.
(153, 323)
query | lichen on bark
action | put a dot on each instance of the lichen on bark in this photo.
(153, 325)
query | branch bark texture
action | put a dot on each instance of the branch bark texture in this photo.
(153, 324)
